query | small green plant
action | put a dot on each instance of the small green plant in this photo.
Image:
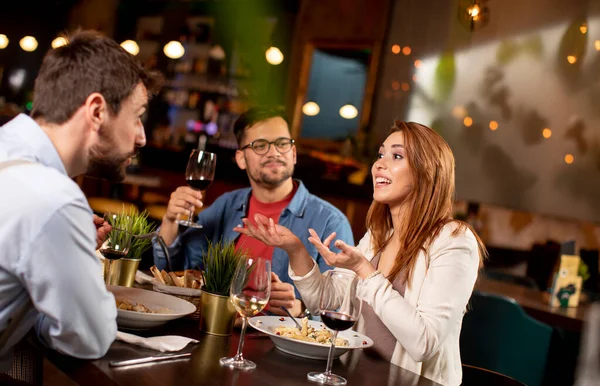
(138, 225)
(221, 261)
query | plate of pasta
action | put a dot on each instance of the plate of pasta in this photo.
(313, 341)
(139, 309)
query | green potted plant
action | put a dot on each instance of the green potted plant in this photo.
(221, 260)
(123, 271)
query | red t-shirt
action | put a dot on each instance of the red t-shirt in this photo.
(272, 210)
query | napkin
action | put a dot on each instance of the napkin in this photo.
(158, 343)
(142, 278)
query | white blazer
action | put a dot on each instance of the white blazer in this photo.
(426, 321)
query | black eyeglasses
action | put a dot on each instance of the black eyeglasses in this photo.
(262, 146)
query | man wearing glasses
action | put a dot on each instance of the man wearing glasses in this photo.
(268, 155)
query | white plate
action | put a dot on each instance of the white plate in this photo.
(154, 301)
(268, 324)
(174, 290)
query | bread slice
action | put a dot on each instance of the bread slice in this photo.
(188, 277)
(176, 279)
(167, 278)
(157, 274)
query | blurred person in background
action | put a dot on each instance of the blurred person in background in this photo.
(268, 154)
(89, 98)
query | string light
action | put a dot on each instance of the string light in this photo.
(174, 50)
(569, 159)
(3, 41)
(311, 109)
(468, 121)
(348, 111)
(131, 47)
(493, 125)
(546, 133)
(59, 42)
(274, 56)
(28, 43)
(396, 49)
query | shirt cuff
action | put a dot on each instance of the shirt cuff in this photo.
(294, 277)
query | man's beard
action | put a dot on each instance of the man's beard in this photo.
(104, 163)
(269, 179)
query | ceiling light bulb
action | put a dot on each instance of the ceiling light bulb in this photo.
(174, 50)
(274, 56)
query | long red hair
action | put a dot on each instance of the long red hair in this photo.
(428, 205)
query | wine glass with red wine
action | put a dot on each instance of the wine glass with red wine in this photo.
(199, 174)
(118, 241)
(340, 308)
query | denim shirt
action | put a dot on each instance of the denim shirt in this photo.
(218, 220)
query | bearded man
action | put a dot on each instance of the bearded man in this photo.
(89, 98)
(268, 154)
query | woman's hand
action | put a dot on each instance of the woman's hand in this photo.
(269, 233)
(349, 256)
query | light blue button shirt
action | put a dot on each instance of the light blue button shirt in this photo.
(47, 242)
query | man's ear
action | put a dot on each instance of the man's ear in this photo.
(96, 110)
(240, 159)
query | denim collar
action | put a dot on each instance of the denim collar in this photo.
(297, 206)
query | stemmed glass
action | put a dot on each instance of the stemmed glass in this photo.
(199, 174)
(249, 293)
(340, 308)
(118, 241)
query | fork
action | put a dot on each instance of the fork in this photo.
(290, 315)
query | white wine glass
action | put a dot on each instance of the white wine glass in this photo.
(199, 175)
(249, 293)
(339, 308)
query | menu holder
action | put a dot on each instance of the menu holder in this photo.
(566, 287)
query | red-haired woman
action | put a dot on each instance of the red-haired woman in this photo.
(419, 265)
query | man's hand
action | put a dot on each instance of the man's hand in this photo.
(102, 230)
(182, 202)
(282, 294)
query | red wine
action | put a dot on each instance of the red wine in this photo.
(337, 321)
(111, 254)
(199, 184)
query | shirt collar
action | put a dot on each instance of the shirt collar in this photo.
(296, 206)
(34, 144)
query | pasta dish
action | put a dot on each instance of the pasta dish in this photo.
(310, 334)
(125, 305)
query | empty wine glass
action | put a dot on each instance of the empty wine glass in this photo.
(199, 174)
(249, 293)
(339, 309)
(118, 240)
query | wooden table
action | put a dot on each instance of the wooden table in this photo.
(536, 303)
(273, 366)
